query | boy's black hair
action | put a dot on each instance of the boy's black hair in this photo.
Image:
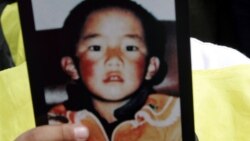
(153, 30)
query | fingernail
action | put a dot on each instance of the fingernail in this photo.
(81, 133)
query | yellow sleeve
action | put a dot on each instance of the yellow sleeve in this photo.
(12, 32)
(222, 104)
(16, 113)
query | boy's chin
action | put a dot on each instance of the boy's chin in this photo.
(112, 98)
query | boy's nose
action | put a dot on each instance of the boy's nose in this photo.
(114, 58)
(114, 62)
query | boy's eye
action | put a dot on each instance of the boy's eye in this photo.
(94, 48)
(132, 48)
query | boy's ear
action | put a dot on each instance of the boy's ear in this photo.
(69, 67)
(153, 67)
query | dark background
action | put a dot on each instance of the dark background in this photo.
(223, 22)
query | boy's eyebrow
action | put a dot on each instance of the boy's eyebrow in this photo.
(135, 36)
(93, 35)
(89, 36)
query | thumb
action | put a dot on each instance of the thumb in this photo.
(64, 132)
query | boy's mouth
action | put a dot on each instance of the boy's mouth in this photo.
(113, 77)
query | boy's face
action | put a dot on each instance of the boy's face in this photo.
(112, 54)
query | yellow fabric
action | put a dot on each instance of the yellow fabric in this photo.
(222, 104)
(16, 113)
(12, 32)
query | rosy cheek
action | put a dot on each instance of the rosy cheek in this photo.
(140, 66)
(86, 67)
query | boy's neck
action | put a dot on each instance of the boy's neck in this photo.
(106, 109)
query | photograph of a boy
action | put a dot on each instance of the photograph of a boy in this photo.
(114, 54)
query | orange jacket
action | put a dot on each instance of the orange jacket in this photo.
(158, 119)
